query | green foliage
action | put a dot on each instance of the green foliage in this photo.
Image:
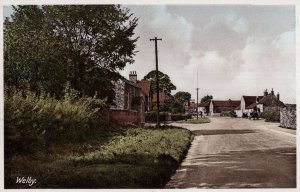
(177, 107)
(206, 98)
(151, 116)
(126, 161)
(225, 114)
(32, 121)
(182, 97)
(48, 46)
(165, 83)
(197, 121)
(178, 117)
(271, 116)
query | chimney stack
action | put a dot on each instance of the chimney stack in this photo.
(266, 92)
(257, 99)
(278, 96)
(272, 92)
(133, 76)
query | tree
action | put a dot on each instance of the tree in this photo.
(206, 98)
(165, 83)
(85, 45)
(182, 97)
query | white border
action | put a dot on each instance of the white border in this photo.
(143, 2)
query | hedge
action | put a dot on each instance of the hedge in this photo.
(33, 121)
(271, 116)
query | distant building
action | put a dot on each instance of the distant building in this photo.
(216, 107)
(267, 102)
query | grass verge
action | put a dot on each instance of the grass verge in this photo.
(131, 158)
(196, 121)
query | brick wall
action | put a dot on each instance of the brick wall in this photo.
(288, 116)
(123, 116)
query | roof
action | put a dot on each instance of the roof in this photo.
(129, 82)
(145, 86)
(238, 107)
(226, 103)
(271, 100)
(205, 104)
(251, 100)
(252, 106)
(162, 97)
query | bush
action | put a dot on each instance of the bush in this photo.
(33, 121)
(179, 117)
(151, 116)
(271, 116)
(225, 114)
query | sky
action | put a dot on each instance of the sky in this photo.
(234, 50)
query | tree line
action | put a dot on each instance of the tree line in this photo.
(47, 47)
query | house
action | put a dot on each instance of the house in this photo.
(247, 105)
(270, 102)
(267, 102)
(130, 100)
(216, 107)
(145, 88)
(204, 107)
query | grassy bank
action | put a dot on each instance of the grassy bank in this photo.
(66, 144)
(132, 158)
(196, 121)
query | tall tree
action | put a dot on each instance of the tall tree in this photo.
(82, 44)
(165, 83)
(206, 98)
(182, 97)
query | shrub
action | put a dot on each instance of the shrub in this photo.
(271, 116)
(33, 121)
(179, 117)
(225, 114)
(151, 116)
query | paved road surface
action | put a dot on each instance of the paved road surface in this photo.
(238, 153)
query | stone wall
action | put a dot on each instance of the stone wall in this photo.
(288, 116)
(119, 101)
(272, 108)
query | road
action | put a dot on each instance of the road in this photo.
(238, 153)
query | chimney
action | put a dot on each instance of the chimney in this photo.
(272, 92)
(278, 96)
(133, 76)
(266, 92)
(257, 99)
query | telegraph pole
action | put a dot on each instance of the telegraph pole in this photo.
(197, 103)
(157, 84)
(197, 94)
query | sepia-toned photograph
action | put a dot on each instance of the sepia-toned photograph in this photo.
(149, 96)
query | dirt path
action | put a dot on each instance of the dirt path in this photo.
(238, 153)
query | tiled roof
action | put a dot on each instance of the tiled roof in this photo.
(252, 106)
(238, 107)
(205, 104)
(145, 86)
(227, 103)
(271, 100)
(129, 82)
(249, 100)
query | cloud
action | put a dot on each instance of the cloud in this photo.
(231, 59)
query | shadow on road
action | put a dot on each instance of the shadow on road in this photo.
(239, 169)
(222, 131)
